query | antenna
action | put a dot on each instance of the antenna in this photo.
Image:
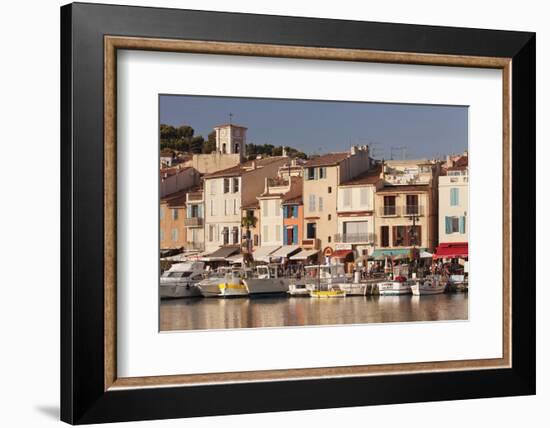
(230, 118)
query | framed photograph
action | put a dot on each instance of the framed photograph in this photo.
(266, 213)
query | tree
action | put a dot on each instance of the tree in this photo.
(210, 145)
(195, 145)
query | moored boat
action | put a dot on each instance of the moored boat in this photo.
(330, 293)
(430, 286)
(267, 281)
(399, 286)
(181, 280)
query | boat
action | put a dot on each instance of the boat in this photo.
(224, 282)
(181, 280)
(299, 289)
(267, 280)
(430, 286)
(331, 292)
(399, 286)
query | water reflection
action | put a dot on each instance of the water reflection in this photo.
(199, 313)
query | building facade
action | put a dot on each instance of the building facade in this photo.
(226, 192)
(173, 233)
(321, 178)
(406, 207)
(194, 220)
(453, 201)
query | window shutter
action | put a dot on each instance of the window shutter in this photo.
(199, 211)
(295, 211)
(448, 224)
(462, 225)
(295, 234)
(285, 237)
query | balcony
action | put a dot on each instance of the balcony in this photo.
(389, 211)
(411, 210)
(194, 221)
(197, 246)
(195, 196)
(355, 238)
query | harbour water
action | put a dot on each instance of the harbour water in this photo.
(275, 311)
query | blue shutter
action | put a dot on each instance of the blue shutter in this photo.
(295, 233)
(448, 224)
(295, 211)
(284, 236)
(200, 211)
(462, 225)
(454, 196)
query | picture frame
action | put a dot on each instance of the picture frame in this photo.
(91, 391)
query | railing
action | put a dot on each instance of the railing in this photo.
(194, 221)
(277, 181)
(194, 196)
(414, 210)
(354, 237)
(199, 246)
(389, 211)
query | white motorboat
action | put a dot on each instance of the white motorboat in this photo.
(268, 280)
(399, 286)
(432, 285)
(181, 280)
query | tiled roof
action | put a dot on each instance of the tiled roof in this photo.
(327, 160)
(176, 199)
(242, 168)
(372, 176)
(173, 170)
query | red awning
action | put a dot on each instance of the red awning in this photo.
(451, 250)
(341, 254)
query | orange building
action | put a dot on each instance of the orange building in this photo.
(172, 220)
(293, 220)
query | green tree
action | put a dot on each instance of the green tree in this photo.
(210, 145)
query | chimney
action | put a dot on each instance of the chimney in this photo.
(353, 150)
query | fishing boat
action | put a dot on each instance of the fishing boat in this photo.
(267, 280)
(181, 280)
(432, 285)
(299, 289)
(399, 286)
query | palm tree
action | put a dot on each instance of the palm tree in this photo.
(248, 222)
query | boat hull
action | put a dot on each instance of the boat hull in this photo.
(428, 288)
(394, 288)
(327, 294)
(178, 291)
(266, 285)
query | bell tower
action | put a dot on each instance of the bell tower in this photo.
(231, 140)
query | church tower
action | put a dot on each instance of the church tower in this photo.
(231, 139)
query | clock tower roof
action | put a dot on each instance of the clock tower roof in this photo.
(224, 125)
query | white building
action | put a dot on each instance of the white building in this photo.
(453, 202)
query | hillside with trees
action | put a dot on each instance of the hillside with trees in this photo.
(183, 139)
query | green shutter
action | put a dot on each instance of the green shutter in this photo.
(462, 225)
(448, 224)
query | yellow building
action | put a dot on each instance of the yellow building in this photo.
(321, 180)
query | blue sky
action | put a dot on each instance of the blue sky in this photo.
(325, 126)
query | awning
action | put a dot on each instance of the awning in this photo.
(341, 254)
(451, 250)
(425, 255)
(392, 252)
(285, 251)
(262, 253)
(237, 258)
(222, 253)
(304, 255)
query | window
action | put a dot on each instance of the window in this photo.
(212, 207)
(406, 236)
(226, 185)
(329, 217)
(384, 236)
(347, 197)
(278, 232)
(174, 235)
(310, 174)
(329, 238)
(322, 172)
(175, 214)
(329, 189)
(311, 203)
(236, 185)
(355, 231)
(212, 187)
(455, 224)
(265, 235)
(454, 196)
(320, 203)
(364, 196)
(161, 213)
(225, 207)
(235, 235)
(412, 204)
(311, 231)
(211, 233)
(234, 206)
(389, 205)
(265, 206)
(225, 233)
